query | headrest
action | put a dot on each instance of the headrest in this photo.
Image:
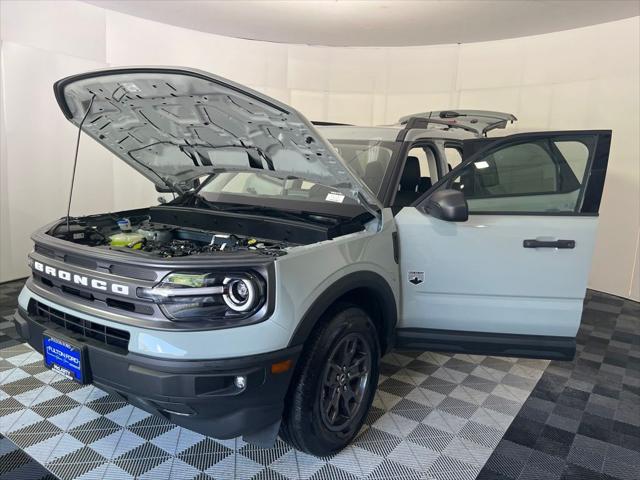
(374, 171)
(373, 174)
(425, 184)
(410, 174)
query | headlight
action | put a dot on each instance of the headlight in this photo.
(239, 293)
(214, 297)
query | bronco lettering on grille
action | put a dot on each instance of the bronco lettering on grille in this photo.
(81, 279)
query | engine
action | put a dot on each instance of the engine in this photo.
(182, 243)
(167, 241)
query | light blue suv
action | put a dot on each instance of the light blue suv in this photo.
(259, 299)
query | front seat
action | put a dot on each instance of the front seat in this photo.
(373, 175)
(408, 191)
(424, 184)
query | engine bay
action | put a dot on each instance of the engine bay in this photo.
(169, 231)
(139, 234)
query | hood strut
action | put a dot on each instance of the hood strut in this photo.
(75, 158)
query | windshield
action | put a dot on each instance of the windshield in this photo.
(256, 185)
(369, 159)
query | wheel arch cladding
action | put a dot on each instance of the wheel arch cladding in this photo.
(367, 290)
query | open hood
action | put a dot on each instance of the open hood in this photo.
(478, 122)
(175, 125)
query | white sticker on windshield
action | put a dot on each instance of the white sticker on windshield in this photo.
(334, 197)
(131, 87)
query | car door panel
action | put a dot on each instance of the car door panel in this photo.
(491, 279)
(517, 269)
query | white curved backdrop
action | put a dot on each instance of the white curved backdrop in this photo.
(575, 79)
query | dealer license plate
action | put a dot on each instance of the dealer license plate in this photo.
(63, 357)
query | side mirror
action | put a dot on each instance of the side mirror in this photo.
(449, 205)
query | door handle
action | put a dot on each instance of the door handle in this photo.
(533, 243)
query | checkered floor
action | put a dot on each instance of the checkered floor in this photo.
(582, 421)
(17, 465)
(433, 413)
(434, 417)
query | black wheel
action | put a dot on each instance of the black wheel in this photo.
(334, 383)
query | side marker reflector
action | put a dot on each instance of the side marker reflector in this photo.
(281, 367)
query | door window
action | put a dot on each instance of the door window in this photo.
(543, 175)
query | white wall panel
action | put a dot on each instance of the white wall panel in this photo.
(557, 60)
(39, 145)
(570, 103)
(421, 69)
(534, 107)
(618, 107)
(503, 99)
(307, 68)
(379, 110)
(491, 64)
(72, 28)
(399, 105)
(6, 269)
(313, 104)
(357, 70)
(356, 108)
(132, 190)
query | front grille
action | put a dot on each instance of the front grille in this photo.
(113, 337)
(116, 303)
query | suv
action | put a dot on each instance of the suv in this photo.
(260, 298)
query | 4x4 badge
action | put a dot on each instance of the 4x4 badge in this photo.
(416, 277)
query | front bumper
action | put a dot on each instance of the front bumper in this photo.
(200, 395)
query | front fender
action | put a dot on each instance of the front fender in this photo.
(356, 280)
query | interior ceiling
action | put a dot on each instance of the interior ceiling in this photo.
(376, 22)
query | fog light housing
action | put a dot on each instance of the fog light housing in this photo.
(240, 382)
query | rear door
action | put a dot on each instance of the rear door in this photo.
(510, 280)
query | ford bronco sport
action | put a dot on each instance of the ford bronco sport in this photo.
(259, 299)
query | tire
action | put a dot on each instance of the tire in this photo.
(313, 420)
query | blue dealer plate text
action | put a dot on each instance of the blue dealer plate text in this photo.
(63, 357)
